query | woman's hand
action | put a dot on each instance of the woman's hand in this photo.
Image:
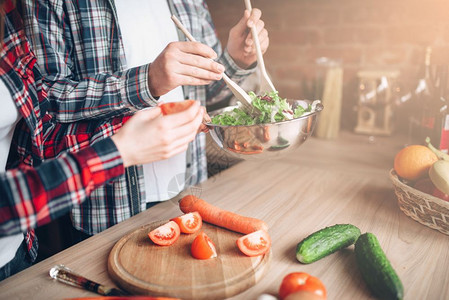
(240, 42)
(148, 136)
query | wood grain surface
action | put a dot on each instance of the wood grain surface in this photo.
(324, 182)
(142, 267)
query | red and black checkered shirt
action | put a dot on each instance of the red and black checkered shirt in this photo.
(33, 196)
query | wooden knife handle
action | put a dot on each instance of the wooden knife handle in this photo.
(66, 275)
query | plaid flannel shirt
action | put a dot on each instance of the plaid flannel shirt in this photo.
(81, 55)
(31, 197)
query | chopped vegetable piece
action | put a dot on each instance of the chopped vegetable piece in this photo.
(255, 244)
(203, 247)
(189, 223)
(165, 235)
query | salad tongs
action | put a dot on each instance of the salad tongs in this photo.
(265, 81)
(238, 92)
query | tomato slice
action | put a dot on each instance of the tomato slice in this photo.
(175, 107)
(300, 281)
(255, 243)
(203, 247)
(189, 223)
(166, 234)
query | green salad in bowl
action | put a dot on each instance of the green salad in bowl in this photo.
(266, 108)
(269, 128)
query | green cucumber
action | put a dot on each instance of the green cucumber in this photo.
(325, 242)
(376, 269)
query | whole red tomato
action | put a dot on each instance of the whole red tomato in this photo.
(300, 281)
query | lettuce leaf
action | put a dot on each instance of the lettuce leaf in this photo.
(270, 108)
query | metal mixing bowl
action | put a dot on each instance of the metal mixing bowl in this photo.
(261, 141)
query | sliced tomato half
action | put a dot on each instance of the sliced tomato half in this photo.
(166, 234)
(203, 247)
(189, 223)
(175, 107)
(255, 243)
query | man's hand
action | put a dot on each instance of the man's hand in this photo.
(148, 136)
(183, 63)
(240, 42)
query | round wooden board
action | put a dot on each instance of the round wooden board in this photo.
(139, 266)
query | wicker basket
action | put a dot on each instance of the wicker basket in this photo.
(424, 208)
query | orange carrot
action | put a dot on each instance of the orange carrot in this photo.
(220, 217)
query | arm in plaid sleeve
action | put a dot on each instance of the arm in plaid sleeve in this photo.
(80, 61)
(36, 196)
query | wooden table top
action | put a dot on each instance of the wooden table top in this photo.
(323, 183)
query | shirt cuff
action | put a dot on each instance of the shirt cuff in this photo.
(135, 90)
(104, 162)
(232, 69)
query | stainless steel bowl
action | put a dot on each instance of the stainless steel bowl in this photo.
(261, 141)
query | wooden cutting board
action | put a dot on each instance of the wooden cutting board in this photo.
(139, 266)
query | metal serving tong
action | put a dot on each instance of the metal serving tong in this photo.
(238, 92)
(67, 276)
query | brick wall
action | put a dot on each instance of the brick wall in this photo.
(364, 34)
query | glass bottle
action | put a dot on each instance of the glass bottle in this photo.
(428, 111)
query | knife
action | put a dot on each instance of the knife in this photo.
(66, 275)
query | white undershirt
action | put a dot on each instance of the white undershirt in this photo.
(9, 116)
(146, 29)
